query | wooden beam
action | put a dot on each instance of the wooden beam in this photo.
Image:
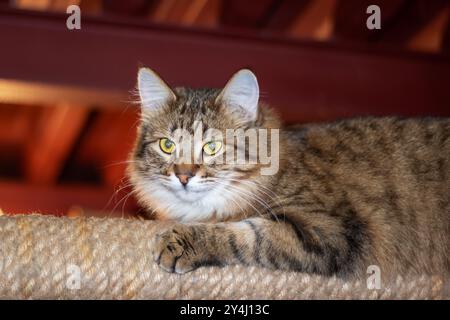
(446, 39)
(286, 14)
(161, 10)
(316, 21)
(91, 6)
(304, 81)
(431, 37)
(37, 93)
(351, 17)
(172, 12)
(411, 19)
(246, 14)
(44, 5)
(31, 4)
(129, 7)
(193, 12)
(100, 145)
(15, 124)
(209, 16)
(55, 134)
(181, 12)
(24, 198)
(401, 20)
(11, 156)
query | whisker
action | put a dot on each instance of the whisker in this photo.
(235, 202)
(118, 163)
(123, 205)
(242, 193)
(113, 196)
(259, 187)
(122, 199)
(257, 198)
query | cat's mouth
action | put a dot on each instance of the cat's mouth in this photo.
(190, 193)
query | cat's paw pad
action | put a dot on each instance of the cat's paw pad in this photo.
(173, 251)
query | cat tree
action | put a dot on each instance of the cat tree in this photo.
(91, 258)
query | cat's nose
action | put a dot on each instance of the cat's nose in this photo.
(184, 172)
(184, 178)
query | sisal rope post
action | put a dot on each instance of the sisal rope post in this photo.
(45, 257)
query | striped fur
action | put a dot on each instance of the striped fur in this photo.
(349, 194)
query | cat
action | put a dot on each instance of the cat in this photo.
(347, 194)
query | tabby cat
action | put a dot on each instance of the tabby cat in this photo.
(347, 195)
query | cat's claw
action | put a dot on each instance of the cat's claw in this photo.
(173, 251)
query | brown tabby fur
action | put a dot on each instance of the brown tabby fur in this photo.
(348, 194)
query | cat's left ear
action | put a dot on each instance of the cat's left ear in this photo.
(242, 92)
(153, 91)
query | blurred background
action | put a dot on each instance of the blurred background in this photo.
(67, 122)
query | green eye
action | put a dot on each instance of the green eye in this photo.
(211, 148)
(167, 145)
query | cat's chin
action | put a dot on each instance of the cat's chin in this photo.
(190, 204)
(191, 195)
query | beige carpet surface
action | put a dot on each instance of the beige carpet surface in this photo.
(43, 257)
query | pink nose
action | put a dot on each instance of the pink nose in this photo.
(184, 178)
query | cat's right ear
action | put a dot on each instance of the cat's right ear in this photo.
(153, 91)
(242, 94)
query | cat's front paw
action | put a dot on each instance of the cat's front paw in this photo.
(173, 250)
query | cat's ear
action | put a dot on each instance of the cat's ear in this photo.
(153, 91)
(241, 92)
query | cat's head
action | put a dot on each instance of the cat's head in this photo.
(183, 165)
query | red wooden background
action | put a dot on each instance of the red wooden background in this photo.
(66, 118)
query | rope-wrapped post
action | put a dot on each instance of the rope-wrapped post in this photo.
(44, 257)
